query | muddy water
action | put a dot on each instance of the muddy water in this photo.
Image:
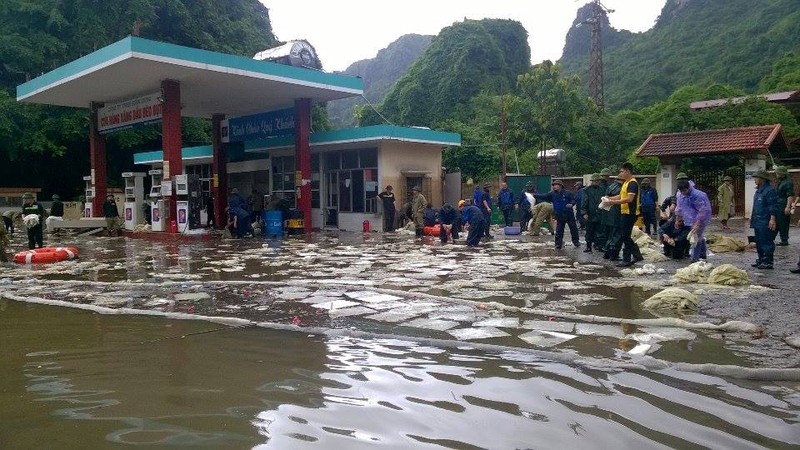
(75, 379)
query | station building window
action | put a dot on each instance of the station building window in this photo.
(351, 178)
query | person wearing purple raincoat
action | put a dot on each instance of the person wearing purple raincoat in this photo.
(694, 206)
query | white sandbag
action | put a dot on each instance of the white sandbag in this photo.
(728, 275)
(672, 298)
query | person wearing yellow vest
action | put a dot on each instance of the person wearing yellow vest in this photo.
(628, 199)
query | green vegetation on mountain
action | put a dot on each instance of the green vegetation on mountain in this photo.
(379, 75)
(37, 36)
(694, 42)
(464, 60)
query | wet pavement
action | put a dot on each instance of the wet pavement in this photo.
(512, 292)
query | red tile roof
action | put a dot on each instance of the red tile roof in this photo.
(760, 139)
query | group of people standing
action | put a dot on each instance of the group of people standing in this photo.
(609, 208)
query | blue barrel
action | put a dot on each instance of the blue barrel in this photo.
(273, 223)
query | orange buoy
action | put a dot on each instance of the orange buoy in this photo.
(432, 231)
(46, 255)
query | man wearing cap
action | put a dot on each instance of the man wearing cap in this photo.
(111, 213)
(590, 211)
(611, 221)
(578, 200)
(785, 190)
(56, 214)
(763, 219)
(562, 201)
(473, 219)
(418, 204)
(525, 205)
(725, 201)
(389, 209)
(32, 207)
(649, 203)
(628, 200)
(600, 232)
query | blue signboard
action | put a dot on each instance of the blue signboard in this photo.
(258, 126)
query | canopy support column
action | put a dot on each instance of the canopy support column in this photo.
(171, 140)
(97, 160)
(302, 146)
(219, 173)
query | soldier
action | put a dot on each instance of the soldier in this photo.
(785, 190)
(483, 201)
(725, 201)
(418, 204)
(32, 207)
(611, 223)
(590, 211)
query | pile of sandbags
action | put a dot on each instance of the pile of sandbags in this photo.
(728, 275)
(718, 243)
(672, 298)
(694, 273)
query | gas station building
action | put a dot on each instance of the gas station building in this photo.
(261, 131)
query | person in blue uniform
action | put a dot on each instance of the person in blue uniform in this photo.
(505, 201)
(675, 237)
(562, 201)
(763, 219)
(483, 201)
(472, 216)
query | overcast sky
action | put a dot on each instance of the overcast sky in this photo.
(345, 31)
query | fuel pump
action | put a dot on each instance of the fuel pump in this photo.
(182, 202)
(156, 200)
(88, 193)
(134, 197)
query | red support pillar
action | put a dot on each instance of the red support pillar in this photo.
(97, 160)
(171, 138)
(302, 151)
(219, 181)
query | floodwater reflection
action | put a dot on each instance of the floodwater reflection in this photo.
(76, 379)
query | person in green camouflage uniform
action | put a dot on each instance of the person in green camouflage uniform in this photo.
(612, 223)
(418, 204)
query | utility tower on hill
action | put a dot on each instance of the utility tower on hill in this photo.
(598, 18)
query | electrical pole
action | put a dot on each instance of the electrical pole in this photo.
(503, 140)
(599, 17)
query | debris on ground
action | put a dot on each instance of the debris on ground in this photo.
(719, 243)
(728, 275)
(672, 298)
(694, 273)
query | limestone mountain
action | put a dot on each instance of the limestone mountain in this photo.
(379, 75)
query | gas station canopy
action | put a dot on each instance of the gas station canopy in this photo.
(211, 82)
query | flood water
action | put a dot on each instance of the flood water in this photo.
(74, 378)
